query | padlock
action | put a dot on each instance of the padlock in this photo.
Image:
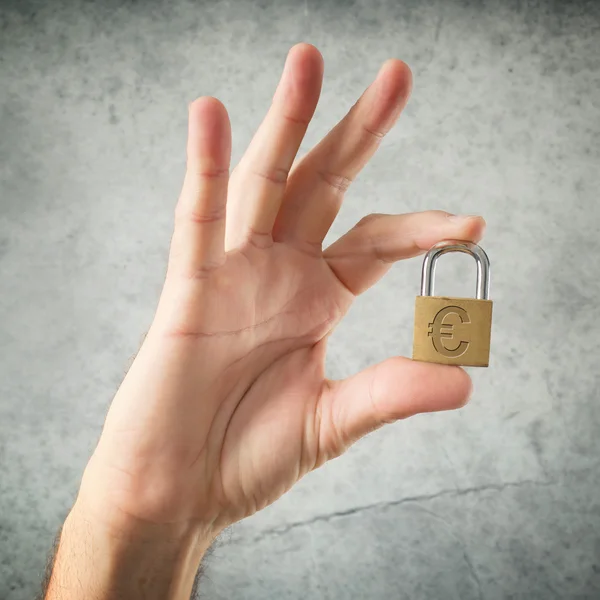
(453, 331)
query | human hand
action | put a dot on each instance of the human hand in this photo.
(226, 405)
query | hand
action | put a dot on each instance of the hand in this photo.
(226, 405)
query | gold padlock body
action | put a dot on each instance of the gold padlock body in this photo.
(452, 331)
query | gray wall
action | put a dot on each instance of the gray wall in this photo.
(498, 500)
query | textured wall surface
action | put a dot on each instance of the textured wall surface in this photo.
(498, 500)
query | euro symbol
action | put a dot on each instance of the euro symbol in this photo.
(445, 326)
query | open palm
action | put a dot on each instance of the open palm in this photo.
(226, 405)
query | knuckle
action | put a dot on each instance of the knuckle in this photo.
(369, 219)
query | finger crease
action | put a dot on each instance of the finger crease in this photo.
(374, 133)
(202, 272)
(340, 278)
(205, 218)
(259, 239)
(340, 183)
(212, 173)
(296, 120)
(339, 440)
(308, 247)
(278, 176)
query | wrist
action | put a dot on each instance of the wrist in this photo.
(145, 500)
(124, 557)
(124, 530)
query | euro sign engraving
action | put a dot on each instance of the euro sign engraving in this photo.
(448, 331)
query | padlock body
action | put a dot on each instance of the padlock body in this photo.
(452, 331)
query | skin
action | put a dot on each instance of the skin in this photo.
(227, 406)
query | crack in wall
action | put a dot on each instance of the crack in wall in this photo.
(283, 529)
(472, 571)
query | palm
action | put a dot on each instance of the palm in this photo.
(291, 300)
(227, 405)
(277, 296)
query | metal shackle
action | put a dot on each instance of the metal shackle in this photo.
(477, 252)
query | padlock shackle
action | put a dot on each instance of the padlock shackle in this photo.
(483, 266)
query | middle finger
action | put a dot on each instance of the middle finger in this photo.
(258, 183)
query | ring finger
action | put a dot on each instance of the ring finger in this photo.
(317, 185)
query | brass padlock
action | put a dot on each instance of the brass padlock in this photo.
(453, 331)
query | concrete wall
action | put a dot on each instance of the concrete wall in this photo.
(498, 500)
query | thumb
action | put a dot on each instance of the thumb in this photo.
(394, 389)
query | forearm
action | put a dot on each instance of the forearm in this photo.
(131, 561)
